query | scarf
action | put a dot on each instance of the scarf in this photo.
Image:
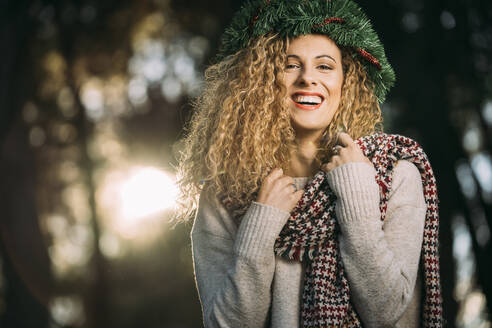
(311, 232)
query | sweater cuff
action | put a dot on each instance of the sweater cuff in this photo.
(259, 228)
(355, 186)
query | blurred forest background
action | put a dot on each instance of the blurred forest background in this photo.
(93, 98)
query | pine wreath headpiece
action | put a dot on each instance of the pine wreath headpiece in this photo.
(343, 21)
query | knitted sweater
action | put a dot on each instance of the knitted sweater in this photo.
(241, 283)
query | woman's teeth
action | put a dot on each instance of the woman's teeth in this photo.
(307, 100)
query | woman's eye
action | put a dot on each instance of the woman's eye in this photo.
(324, 67)
(291, 66)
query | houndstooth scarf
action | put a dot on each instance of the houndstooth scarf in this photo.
(311, 235)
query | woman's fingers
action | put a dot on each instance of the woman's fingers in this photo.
(279, 190)
(285, 181)
(333, 163)
(345, 140)
(345, 151)
(274, 174)
(296, 196)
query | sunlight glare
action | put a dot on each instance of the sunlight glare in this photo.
(147, 191)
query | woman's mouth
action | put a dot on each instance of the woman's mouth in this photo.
(307, 100)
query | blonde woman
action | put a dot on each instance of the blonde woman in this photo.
(308, 214)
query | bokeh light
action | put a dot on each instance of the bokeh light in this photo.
(134, 201)
(67, 310)
(145, 192)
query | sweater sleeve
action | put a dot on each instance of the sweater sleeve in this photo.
(381, 260)
(234, 269)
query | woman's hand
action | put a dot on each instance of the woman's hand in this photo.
(346, 151)
(278, 190)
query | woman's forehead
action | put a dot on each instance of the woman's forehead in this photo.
(313, 45)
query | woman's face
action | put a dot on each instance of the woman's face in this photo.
(313, 77)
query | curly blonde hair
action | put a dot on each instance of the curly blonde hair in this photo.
(241, 128)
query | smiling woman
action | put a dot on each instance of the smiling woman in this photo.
(313, 77)
(298, 224)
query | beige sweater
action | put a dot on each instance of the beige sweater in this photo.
(241, 283)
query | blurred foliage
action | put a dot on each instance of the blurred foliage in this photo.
(90, 90)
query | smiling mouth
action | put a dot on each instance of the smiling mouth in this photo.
(307, 101)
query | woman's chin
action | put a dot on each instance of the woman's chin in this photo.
(313, 120)
(301, 123)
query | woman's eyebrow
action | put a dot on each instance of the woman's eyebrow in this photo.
(326, 56)
(293, 56)
(317, 57)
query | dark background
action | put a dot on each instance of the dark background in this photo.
(91, 92)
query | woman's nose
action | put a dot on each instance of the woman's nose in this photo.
(306, 77)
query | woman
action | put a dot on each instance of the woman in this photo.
(292, 228)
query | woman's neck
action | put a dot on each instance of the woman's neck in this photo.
(303, 161)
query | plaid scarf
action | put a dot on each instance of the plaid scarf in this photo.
(310, 235)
